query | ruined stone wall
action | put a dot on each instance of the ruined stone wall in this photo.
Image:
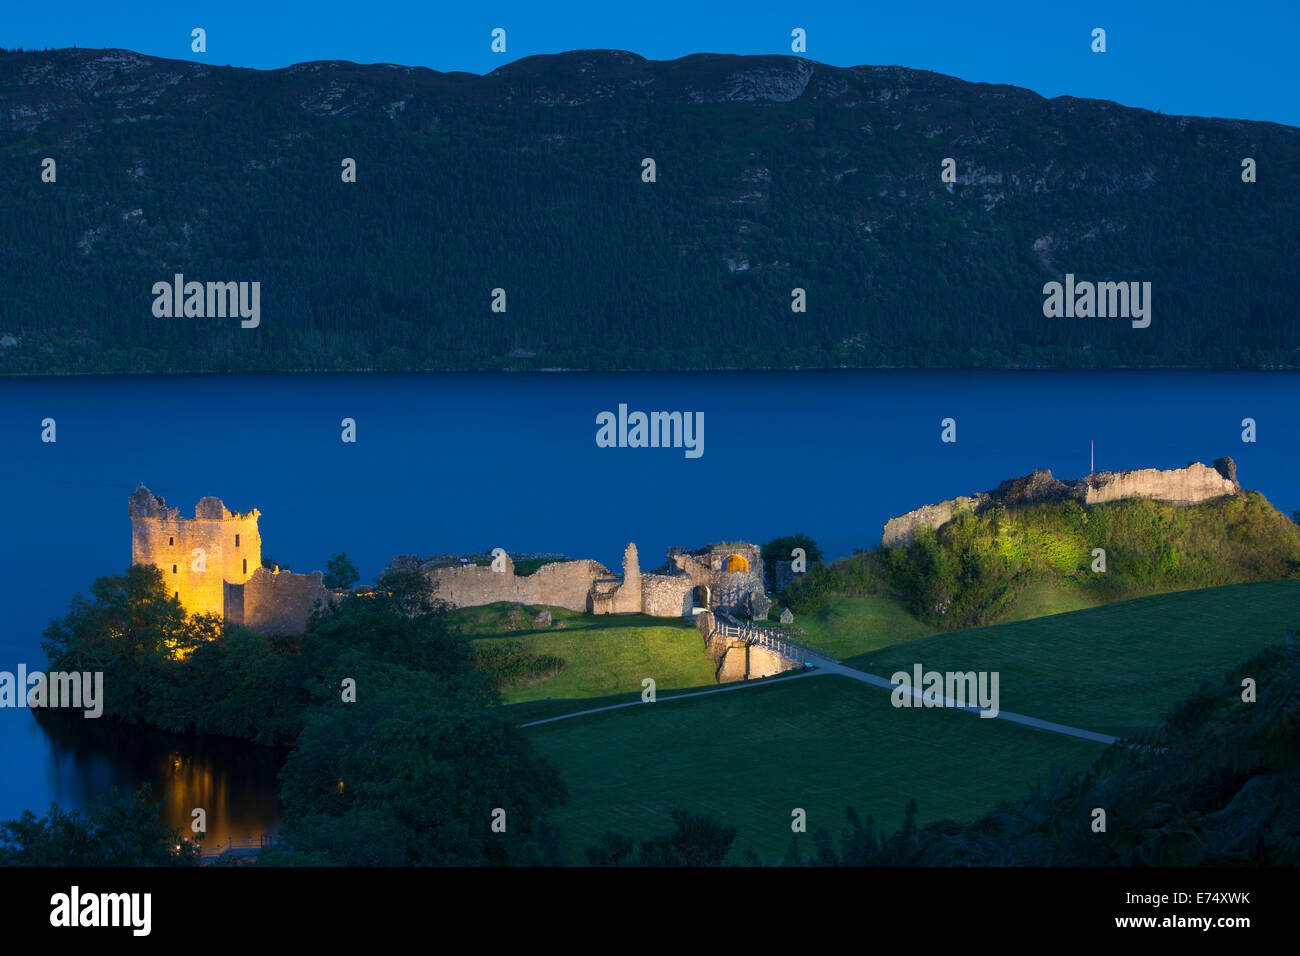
(765, 662)
(277, 604)
(562, 584)
(230, 543)
(589, 586)
(733, 661)
(737, 592)
(739, 660)
(1194, 484)
(1185, 486)
(623, 597)
(619, 599)
(233, 602)
(715, 558)
(665, 595)
(705, 622)
(784, 575)
(740, 592)
(632, 573)
(698, 570)
(902, 530)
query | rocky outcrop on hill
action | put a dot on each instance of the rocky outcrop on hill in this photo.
(1038, 485)
(1183, 486)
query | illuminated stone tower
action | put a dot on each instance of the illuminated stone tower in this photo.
(198, 556)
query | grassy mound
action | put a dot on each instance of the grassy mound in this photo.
(856, 625)
(1020, 562)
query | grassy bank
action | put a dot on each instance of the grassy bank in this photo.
(1116, 668)
(604, 656)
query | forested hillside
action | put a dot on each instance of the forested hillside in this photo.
(773, 173)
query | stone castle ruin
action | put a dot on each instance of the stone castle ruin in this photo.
(724, 578)
(1192, 485)
(212, 563)
(717, 581)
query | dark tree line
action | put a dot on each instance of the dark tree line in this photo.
(458, 195)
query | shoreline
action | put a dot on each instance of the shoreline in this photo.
(715, 370)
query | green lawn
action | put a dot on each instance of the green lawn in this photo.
(822, 742)
(604, 654)
(1115, 668)
(819, 743)
(526, 711)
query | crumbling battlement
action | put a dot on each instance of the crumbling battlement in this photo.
(1192, 485)
(145, 504)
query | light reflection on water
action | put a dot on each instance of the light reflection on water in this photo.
(233, 782)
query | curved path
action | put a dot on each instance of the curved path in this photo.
(824, 665)
(830, 667)
(738, 685)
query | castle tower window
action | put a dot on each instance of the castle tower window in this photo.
(237, 545)
(178, 595)
(173, 569)
(170, 542)
(245, 565)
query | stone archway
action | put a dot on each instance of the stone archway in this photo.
(734, 563)
(702, 596)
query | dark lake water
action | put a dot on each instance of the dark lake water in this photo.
(474, 462)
